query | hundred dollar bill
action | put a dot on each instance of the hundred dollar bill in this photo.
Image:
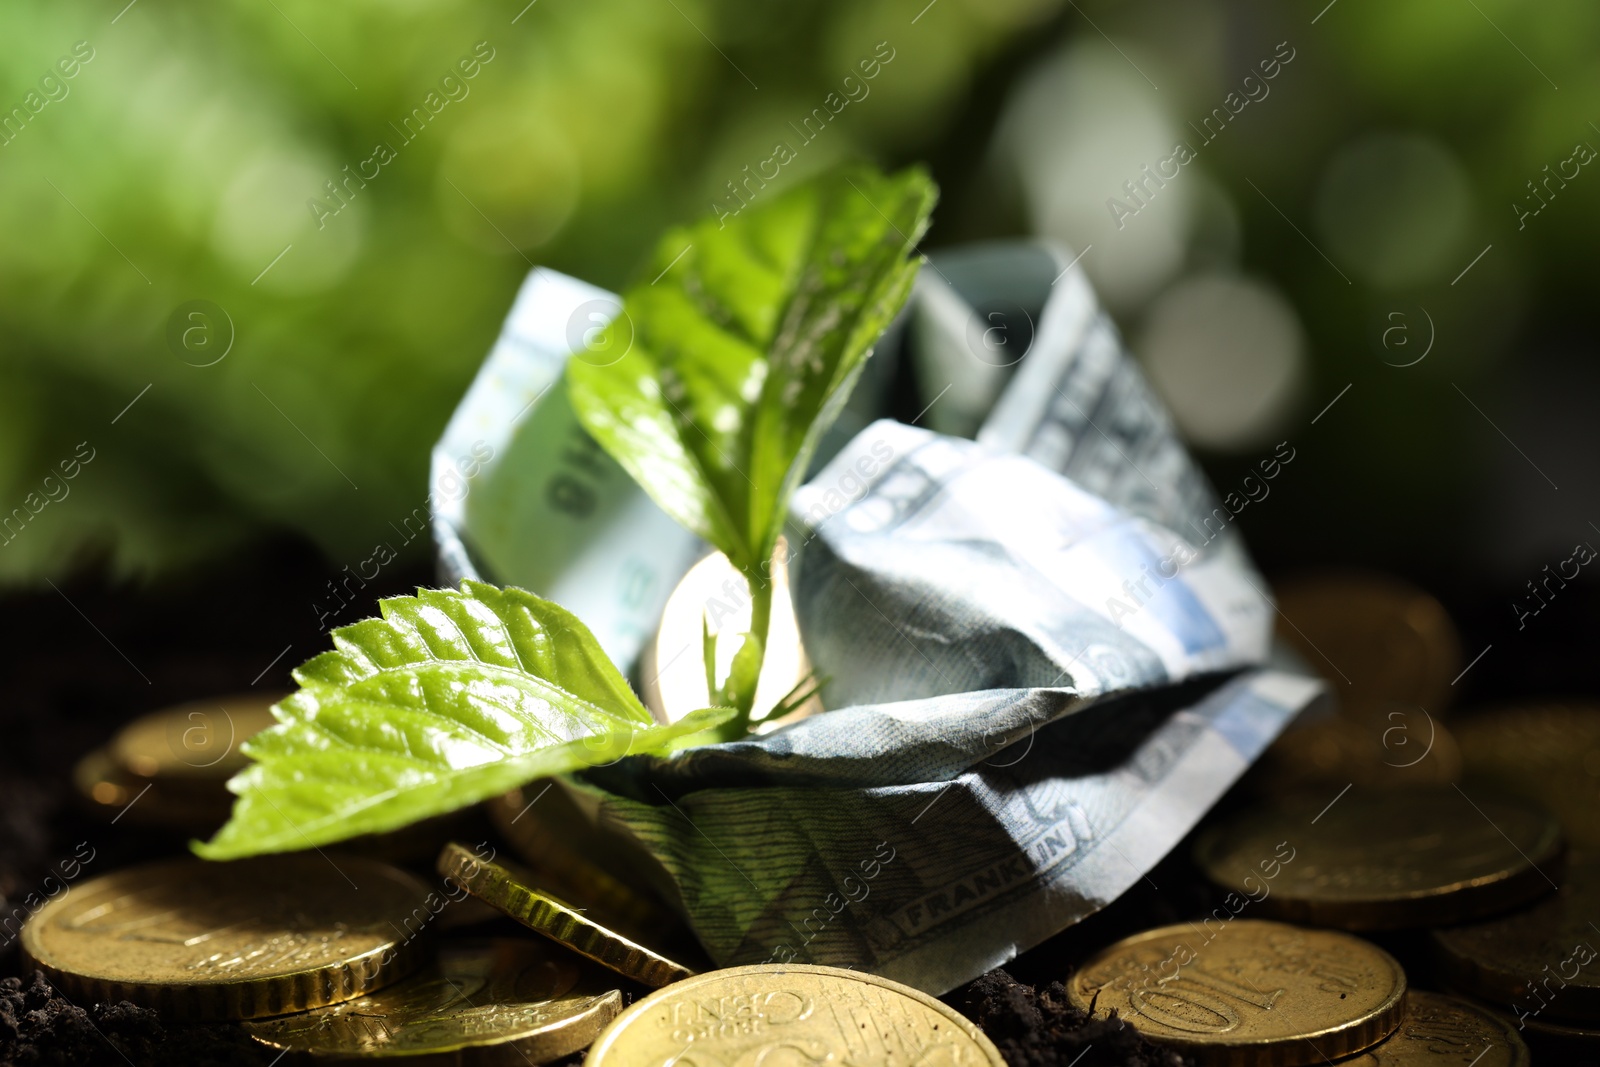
(932, 840)
(551, 511)
(934, 565)
(1012, 347)
(1043, 665)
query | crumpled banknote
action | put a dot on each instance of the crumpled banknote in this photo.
(1044, 668)
(519, 494)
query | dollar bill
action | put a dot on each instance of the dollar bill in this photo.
(975, 313)
(550, 511)
(1012, 347)
(933, 565)
(932, 840)
(1080, 406)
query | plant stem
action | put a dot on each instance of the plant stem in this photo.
(760, 621)
(760, 611)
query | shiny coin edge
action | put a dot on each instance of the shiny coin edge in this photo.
(549, 1041)
(547, 914)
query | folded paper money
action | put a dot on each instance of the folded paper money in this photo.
(1044, 649)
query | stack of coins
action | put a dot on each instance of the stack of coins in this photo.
(1472, 853)
(1237, 986)
(326, 955)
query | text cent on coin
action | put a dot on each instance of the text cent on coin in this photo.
(197, 940)
(811, 1014)
(492, 1001)
(512, 891)
(1256, 993)
(1387, 860)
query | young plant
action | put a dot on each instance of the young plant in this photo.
(743, 350)
(740, 353)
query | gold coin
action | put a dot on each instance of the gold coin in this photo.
(1549, 753)
(1439, 1029)
(491, 1001)
(199, 740)
(508, 889)
(1374, 638)
(111, 793)
(1384, 860)
(1541, 963)
(197, 940)
(570, 853)
(170, 769)
(1388, 749)
(790, 1013)
(714, 595)
(1247, 992)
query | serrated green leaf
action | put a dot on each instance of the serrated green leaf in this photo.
(450, 698)
(744, 346)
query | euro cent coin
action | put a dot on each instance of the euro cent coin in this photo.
(196, 940)
(1562, 1043)
(115, 795)
(1440, 1030)
(1374, 638)
(1541, 963)
(1247, 993)
(1402, 747)
(1385, 860)
(516, 893)
(1546, 752)
(199, 740)
(791, 1014)
(484, 1002)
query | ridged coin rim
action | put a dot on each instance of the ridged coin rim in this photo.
(1346, 1039)
(209, 1000)
(505, 890)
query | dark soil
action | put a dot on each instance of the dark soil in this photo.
(39, 1026)
(1039, 1028)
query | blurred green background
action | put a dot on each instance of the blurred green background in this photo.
(1357, 183)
